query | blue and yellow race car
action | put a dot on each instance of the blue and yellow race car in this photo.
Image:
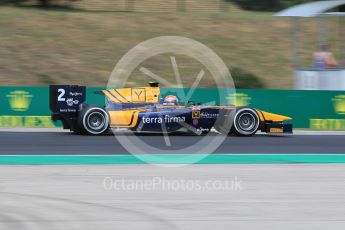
(142, 109)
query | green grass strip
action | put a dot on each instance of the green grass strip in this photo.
(171, 159)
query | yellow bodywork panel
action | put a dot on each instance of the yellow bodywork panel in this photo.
(266, 116)
(123, 118)
(145, 95)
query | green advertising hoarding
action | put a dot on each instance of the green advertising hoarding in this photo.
(29, 106)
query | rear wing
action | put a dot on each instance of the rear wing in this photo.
(64, 103)
(65, 99)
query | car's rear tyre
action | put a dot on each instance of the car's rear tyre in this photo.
(93, 120)
(246, 122)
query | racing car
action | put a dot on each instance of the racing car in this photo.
(142, 109)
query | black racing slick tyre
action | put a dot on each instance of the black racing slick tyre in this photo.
(246, 122)
(93, 120)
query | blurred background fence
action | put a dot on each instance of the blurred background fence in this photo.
(157, 5)
(135, 5)
(164, 5)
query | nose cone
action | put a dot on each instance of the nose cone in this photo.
(265, 116)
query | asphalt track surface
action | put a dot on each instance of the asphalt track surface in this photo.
(64, 143)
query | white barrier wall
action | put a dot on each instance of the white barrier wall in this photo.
(320, 79)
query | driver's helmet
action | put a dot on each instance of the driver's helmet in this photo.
(171, 100)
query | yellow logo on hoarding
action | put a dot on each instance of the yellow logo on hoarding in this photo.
(339, 104)
(26, 121)
(19, 100)
(331, 124)
(239, 99)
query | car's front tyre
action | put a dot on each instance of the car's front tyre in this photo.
(246, 122)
